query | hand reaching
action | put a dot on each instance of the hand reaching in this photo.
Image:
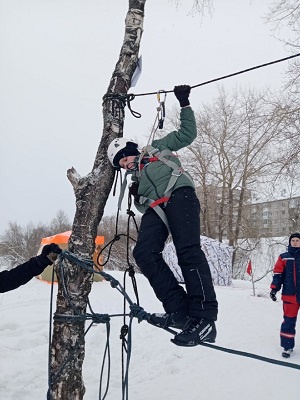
(51, 251)
(182, 93)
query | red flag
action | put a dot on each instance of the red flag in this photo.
(249, 268)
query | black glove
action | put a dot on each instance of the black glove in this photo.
(182, 93)
(273, 295)
(49, 253)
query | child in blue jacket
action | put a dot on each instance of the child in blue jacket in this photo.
(287, 275)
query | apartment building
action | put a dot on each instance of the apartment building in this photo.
(263, 219)
(275, 218)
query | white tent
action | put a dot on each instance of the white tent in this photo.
(219, 257)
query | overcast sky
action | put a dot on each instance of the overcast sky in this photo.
(57, 57)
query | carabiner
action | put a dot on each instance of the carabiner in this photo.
(161, 109)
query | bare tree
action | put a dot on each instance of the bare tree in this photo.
(265, 251)
(19, 243)
(120, 236)
(290, 165)
(284, 15)
(285, 12)
(198, 6)
(60, 223)
(91, 192)
(234, 156)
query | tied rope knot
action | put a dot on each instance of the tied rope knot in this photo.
(124, 331)
(100, 318)
(114, 283)
(131, 271)
(138, 312)
(130, 213)
(121, 100)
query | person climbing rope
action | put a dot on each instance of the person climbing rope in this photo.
(165, 194)
(23, 273)
(287, 275)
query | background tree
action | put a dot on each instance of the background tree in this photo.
(119, 241)
(60, 223)
(288, 174)
(236, 155)
(284, 15)
(19, 243)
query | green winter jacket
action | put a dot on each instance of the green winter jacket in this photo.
(154, 177)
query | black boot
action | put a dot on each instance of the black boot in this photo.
(169, 320)
(195, 332)
(287, 353)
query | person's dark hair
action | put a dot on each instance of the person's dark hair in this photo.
(131, 149)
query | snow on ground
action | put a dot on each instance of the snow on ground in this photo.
(158, 368)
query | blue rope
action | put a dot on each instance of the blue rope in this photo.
(95, 319)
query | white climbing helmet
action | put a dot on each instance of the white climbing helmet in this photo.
(119, 148)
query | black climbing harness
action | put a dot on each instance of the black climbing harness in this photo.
(152, 154)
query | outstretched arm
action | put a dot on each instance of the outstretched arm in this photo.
(187, 132)
(23, 273)
(10, 280)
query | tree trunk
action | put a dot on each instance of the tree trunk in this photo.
(91, 193)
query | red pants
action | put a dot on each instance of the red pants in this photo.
(288, 326)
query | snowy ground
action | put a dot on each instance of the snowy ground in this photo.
(158, 368)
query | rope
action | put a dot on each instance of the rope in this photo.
(159, 119)
(119, 101)
(141, 315)
(227, 76)
(105, 356)
(251, 355)
(126, 329)
(95, 317)
(136, 311)
(118, 236)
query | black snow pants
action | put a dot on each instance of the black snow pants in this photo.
(183, 214)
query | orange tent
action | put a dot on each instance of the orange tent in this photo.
(61, 239)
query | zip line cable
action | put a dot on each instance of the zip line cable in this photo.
(126, 99)
(225, 76)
